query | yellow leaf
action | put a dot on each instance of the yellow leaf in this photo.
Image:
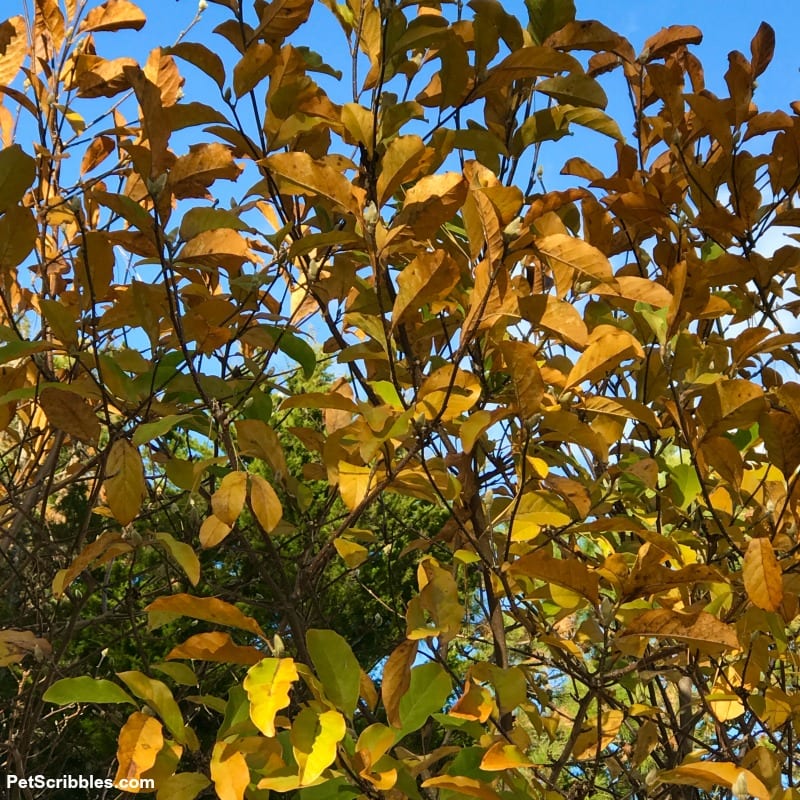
(375, 741)
(300, 173)
(608, 348)
(101, 549)
(404, 159)
(725, 706)
(607, 728)
(432, 201)
(535, 510)
(430, 276)
(439, 596)
(267, 685)
(358, 125)
(314, 739)
(14, 52)
(397, 678)
(448, 393)
(476, 704)
(731, 404)
(228, 501)
(567, 572)
(526, 379)
(252, 68)
(502, 755)
(568, 255)
(472, 428)
(556, 317)
(124, 486)
(210, 609)
(256, 438)
(646, 740)
(352, 553)
(140, 740)
(354, 483)
(707, 774)
(229, 771)
(763, 578)
(213, 531)
(265, 503)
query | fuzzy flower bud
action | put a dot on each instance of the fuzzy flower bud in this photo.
(371, 215)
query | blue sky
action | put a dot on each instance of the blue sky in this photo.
(726, 24)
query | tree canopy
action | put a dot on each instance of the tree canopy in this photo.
(347, 453)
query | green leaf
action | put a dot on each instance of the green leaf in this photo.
(336, 667)
(180, 673)
(182, 786)
(334, 789)
(548, 16)
(198, 220)
(158, 696)
(430, 687)
(314, 63)
(184, 554)
(237, 715)
(152, 430)
(576, 90)
(296, 348)
(684, 484)
(86, 690)
(15, 350)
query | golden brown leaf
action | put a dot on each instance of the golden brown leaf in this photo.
(397, 678)
(215, 646)
(125, 485)
(113, 15)
(702, 630)
(71, 413)
(762, 575)
(210, 609)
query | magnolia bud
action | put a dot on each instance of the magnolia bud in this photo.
(651, 780)
(202, 6)
(156, 185)
(739, 787)
(371, 215)
(513, 229)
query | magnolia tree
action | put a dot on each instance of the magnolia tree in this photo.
(341, 457)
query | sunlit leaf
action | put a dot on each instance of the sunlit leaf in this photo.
(210, 609)
(125, 485)
(763, 578)
(267, 685)
(85, 690)
(336, 667)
